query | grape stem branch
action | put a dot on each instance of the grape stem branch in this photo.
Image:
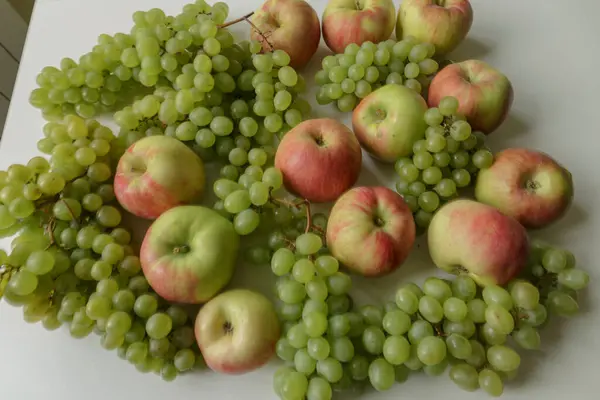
(254, 27)
(298, 204)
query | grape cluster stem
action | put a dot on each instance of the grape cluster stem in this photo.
(247, 19)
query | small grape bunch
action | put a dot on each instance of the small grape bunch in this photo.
(346, 78)
(445, 161)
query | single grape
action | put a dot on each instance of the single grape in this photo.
(465, 376)
(396, 350)
(381, 374)
(503, 358)
(448, 106)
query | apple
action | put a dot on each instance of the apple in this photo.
(289, 25)
(528, 185)
(389, 121)
(157, 173)
(484, 94)
(465, 236)
(357, 21)
(237, 331)
(370, 230)
(320, 159)
(188, 254)
(443, 23)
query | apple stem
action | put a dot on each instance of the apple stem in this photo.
(181, 249)
(235, 21)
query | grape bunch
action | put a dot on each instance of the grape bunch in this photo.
(346, 78)
(444, 162)
(72, 263)
(445, 325)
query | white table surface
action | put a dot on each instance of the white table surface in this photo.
(549, 51)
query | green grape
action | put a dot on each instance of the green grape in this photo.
(339, 325)
(373, 339)
(396, 322)
(442, 159)
(477, 358)
(318, 348)
(237, 201)
(107, 287)
(490, 382)
(318, 389)
(562, 304)
(458, 346)
(137, 352)
(396, 350)
(98, 307)
(23, 282)
(491, 336)
(338, 283)
(409, 173)
(431, 309)
(184, 360)
(40, 262)
(294, 385)
(303, 270)
(411, 70)
(342, 349)
(330, 369)
(363, 89)
(303, 362)
(448, 106)
(525, 295)
(284, 350)
(554, 260)
(476, 310)
(455, 309)
(356, 72)
(381, 374)
(461, 177)
(290, 291)
(407, 301)
(431, 350)
(428, 66)
(428, 201)
(422, 160)
(371, 74)
(446, 188)
(273, 177)
(100, 270)
(158, 326)
(527, 337)
(464, 288)
(460, 159)
(145, 306)
(246, 222)
(465, 377)
(437, 289)
(460, 130)
(290, 312)
(337, 74)
(372, 315)
(503, 359)
(575, 279)
(499, 319)
(497, 295)
(483, 159)
(259, 193)
(282, 261)
(118, 323)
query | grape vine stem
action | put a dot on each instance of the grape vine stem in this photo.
(235, 21)
(298, 204)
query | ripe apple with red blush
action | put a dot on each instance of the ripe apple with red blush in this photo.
(189, 253)
(528, 185)
(484, 94)
(320, 159)
(465, 236)
(357, 21)
(157, 173)
(289, 25)
(370, 230)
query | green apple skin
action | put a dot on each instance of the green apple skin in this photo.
(389, 121)
(237, 331)
(189, 253)
(443, 23)
(484, 94)
(465, 236)
(289, 25)
(528, 185)
(370, 230)
(157, 173)
(357, 21)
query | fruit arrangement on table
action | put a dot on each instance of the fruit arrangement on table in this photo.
(185, 95)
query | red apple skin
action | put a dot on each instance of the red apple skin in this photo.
(320, 159)
(357, 242)
(484, 94)
(158, 173)
(467, 236)
(528, 185)
(289, 25)
(343, 23)
(444, 26)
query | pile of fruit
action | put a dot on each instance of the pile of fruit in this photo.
(185, 93)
